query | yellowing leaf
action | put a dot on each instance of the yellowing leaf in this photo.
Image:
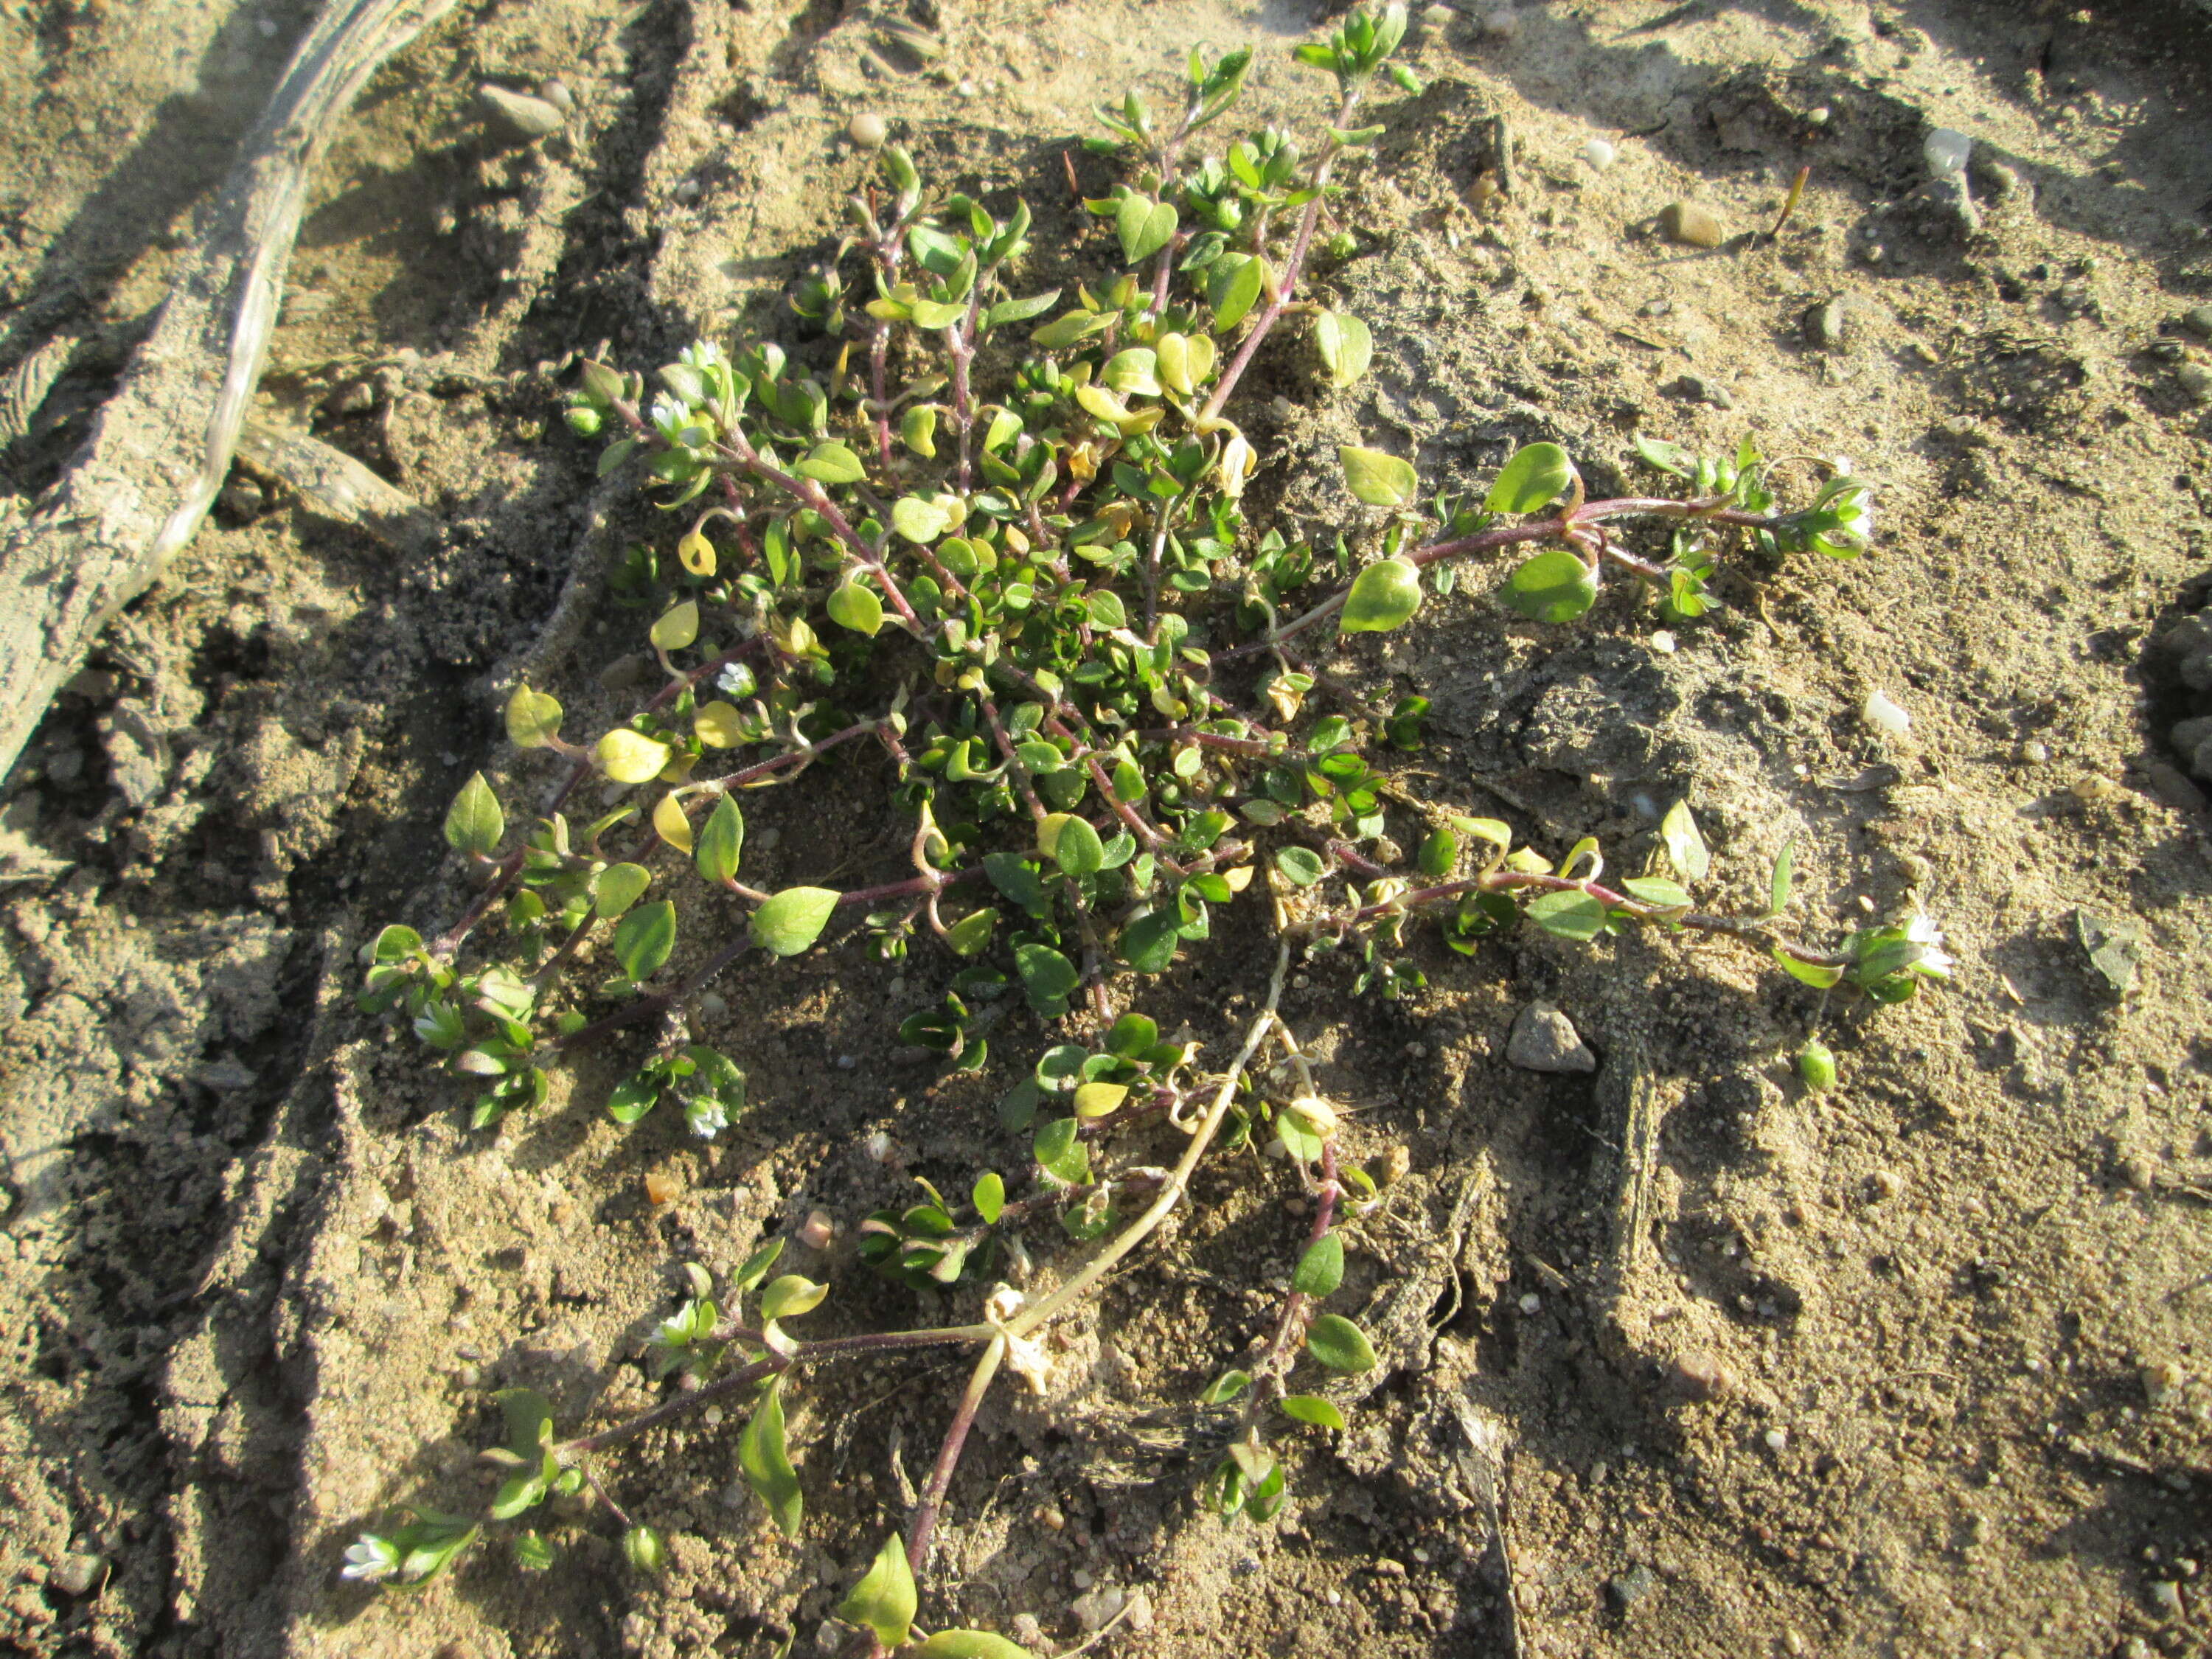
(1097, 1099)
(677, 627)
(628, 756)
(669, 823)
(718, 724)
(533, 719)
(1099, 401)
(1376, 478)
(697, 553)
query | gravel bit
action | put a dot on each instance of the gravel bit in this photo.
(1544, 1039)
(516, 116)
(1691, 225)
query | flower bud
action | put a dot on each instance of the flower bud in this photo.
(1816, 1065)
(584, 422)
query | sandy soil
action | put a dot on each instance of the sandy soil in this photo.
(1918, 1367)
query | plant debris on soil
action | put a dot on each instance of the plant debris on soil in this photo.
(1677, 1358)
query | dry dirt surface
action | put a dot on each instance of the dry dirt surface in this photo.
(1677, 1358)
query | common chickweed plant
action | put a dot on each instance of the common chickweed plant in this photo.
(999, 538)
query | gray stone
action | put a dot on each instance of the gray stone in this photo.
(1826, 323)
(2197, 670)
(2196, 381)
(2197, 319)
(516, 116)
(1544, 1039)
(2189, 736)
(1697, 389)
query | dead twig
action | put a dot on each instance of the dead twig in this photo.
(137, 491)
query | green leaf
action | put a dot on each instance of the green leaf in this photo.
(1311, 1409)
(635, 1096)
(1377, 477)
(767, 1464)
(1568, 915)
(644, 938)
(619, 886)
(971, 935)
(970, 1645)
(989, 1197)
(1232, 288)
(1148, 944)
(1820, 976)
(1047, 976)
(853, 604)
(721, 840)
(1346, 346)
(831, 463)
(1060, 1152)
(1225, 1388)
(1657, 890)
(918, 520)
(1555, 587)
(1339, 1345)
(936, 313)
(789, 921)
(1666, 457)
(756, 1267)
(1075, 844)
(474, 824)
(1785, 866)
(1439, 851)
(532, 1553)
(1685, 846)
(791, 1296)
(1301, 867)
(1144, 227)
(1383, 597)
(1533, 477)
(1320, 1269)
(1020, 311)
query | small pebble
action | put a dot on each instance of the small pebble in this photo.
(2161, 1382)
(1531, 1303)
(1544, 1040)
(1819, 116)
(2197, 319)
(1778, 1440)
(1663, 643)
(2165, 1598)
(661, 1187)
(1947, 150)
(1438, 17)
(1691, 225)
(964, 89)
(1700, 1374)
(1884, 715)
(2196, 379)
(1826, 323)
(877, 1146)
(78, 1573)
(516, 116)
(817, 1231)
(1503, 24)
(1629, 1587)
(1883, 1184)
(2032, 752)
(868, 130)
(1081, 1578)
(556, 93)
(1599, 154)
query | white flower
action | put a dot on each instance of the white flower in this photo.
(1933, 961)
(705, 1114)
(736, 680)
(670, 417)
(370, 1559)
(702, 355)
